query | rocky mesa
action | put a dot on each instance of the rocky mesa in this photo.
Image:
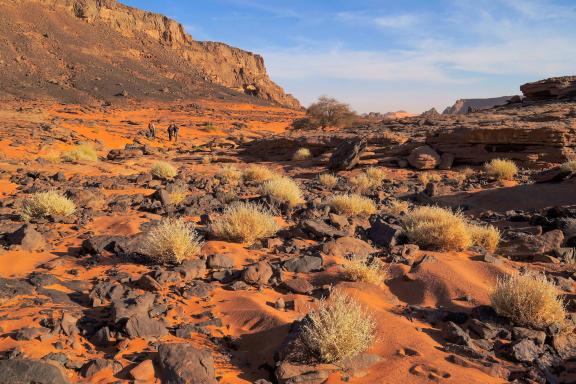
(103, 50)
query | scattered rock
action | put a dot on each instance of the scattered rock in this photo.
(184, 364)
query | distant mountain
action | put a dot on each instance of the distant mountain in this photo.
(463, 105)
(101, 50)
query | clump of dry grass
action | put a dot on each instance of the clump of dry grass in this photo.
(338, 328)
(52, 157)
(368, 180)
(467, 172)
(207, 159)
(376, 175)
(302, 154)
(171, 241)
(163, 170)
(485, 236)
(529, 300)
(361, 183)
(43, 204)
(428, 177)
(438, 228)
(397, 207)
(373, 272)
(244, 223)
(283, 190)
(177, 194)
(82, 152)
(501, 169)
(352, 205)
(258, 173)
(569, 166)
(229, 174)
(328, 180)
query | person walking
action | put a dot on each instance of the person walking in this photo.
(170, 132)
(175, 130)
(151, 130)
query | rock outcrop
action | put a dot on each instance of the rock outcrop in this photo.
(98, 49)
(552, 88)
(462, 106)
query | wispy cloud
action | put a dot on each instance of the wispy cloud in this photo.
(398, 21)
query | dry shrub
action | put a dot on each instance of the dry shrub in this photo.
(177, 194)
(569, 166)
(361, 183)
(244, 223)
(328, 180)
(42, 204)
(397, 207)
(82, 152)
(428, 177)
(467, 172)
(163, 170)
(352, 205)
(258, 173)
(52, 157)
(501, 169)
(283, 190)
(437, 228)
(376, 175)
(171, 241)
(485, 236)
(373, 272)
(529, 300)
(229, 174)
(338, 328)
(302, 154)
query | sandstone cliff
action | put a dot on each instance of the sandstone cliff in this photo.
(74, 50)
(462, 106)
(552, 88)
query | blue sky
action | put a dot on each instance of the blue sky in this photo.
(388, 55)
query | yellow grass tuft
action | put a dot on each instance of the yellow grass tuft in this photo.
(569, 166)
(338, 328)
(171, 241)
(397, 207)
(177, 194)
(328, 180)
(302, 154)
(361, 270)
(283, 190)
(428, 177)
(376, 175)
(352, 205)
(501, 169)
(529, 300)
(42, 204)
(82, 152)
(52, 157)
(163, 170)
(244, 223)
(438, 229)
(229, 174)
(258, 173)
(485, 236)
(361, 183)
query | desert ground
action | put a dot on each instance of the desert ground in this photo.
(266, 242)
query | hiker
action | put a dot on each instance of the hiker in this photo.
(170, 132)
(175, 130)
(151, 130)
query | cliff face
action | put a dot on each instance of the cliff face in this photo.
(462, 105)
(100, 35)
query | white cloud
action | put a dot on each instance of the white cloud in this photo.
(397, 21)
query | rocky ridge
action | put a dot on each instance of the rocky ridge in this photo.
(151, 56)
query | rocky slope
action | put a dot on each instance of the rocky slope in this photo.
(462, 106)
(101, 50)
